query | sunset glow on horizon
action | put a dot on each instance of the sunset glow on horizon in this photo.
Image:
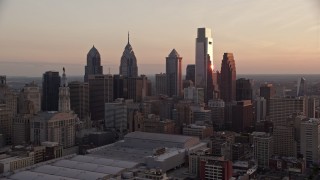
(264, 36)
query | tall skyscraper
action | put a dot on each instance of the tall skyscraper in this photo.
(228, 78)
(260, 108)
(50, 91)
(243, 89)
(302, 87)
(174, 74)
(128, 64)
(100, 92)
(204, 56)
(93, 66)
(190, 72)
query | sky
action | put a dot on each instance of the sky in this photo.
(266, 37)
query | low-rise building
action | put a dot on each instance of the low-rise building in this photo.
(195, 130)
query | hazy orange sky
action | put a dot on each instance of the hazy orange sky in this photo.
(278, 36)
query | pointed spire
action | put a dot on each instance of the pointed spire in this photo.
(128, 37)
(64, 82)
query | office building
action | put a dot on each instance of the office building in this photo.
(100, 92)
(262, 148)
(284, 141)
(21, 129)
(93, 66)
(50, 91)
(79, 98)
(190, 72)
(6, 120)
(128, 64)
(244, 89)
(199, 131)
(260, 109)
(136, 88)
(153, 124)
(195, 95)
(199, 114)
(211, 167)
(281, 108)
(204, 58)
(217, 108)
(310, 140)
(242, 116)
(228, 78)
(30, 92)
(161, 84)
(267, 91)
(116, 116)
(174, 74)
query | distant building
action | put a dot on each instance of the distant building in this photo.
(284, 141)
(100, 92)
(242, 116)
(30, 92)
(118, 86)
(153, 123)
(161, 84)
(262, 148)
(79, 98)
(244, 89)
(50, 91)
(93, 66)
(190, 72)
(260, 109)
(287, 164)
(200, 114)
(174, 74)
(56, 126)
(196, 95)
(217, 108)
(310, 140)
(228, 78)
(267, 91)
(302, 87)
(6, 121)
(116, 116)
(128, 63)
(281, 108)
(215, 168)
(136, 88)
(21, 129)
(199, 131)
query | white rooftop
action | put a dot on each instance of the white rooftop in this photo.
(23, 175)
(159, 137)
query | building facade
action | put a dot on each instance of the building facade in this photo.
(79, 98)
(161, 84)
(191, 72)
(50, 91)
